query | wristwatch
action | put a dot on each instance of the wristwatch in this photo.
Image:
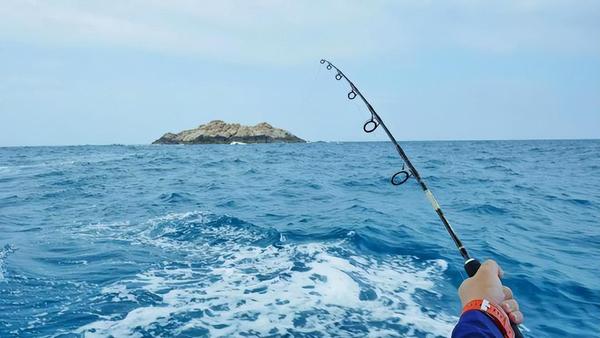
(496, 313)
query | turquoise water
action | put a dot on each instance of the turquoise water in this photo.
(291, 239)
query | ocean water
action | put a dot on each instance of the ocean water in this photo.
(297, 240)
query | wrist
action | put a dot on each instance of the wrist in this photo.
(494, 312)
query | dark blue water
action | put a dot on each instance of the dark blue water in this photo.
(298, 239)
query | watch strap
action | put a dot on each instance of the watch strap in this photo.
(494, 312)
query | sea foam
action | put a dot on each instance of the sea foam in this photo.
(309, 288)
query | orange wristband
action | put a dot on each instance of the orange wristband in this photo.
(496, 313)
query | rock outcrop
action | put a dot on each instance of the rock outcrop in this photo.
(220, 132)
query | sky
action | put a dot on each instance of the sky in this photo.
(125, 72)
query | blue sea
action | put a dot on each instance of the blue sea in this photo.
(295, 240)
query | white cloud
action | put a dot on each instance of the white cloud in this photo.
(290, 31)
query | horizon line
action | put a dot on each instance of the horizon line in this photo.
(308, 141)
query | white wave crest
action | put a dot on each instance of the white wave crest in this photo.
(4, 252)
(231, 288)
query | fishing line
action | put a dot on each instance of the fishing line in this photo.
(408, 170)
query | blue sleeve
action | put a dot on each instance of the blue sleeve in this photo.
(476, 324)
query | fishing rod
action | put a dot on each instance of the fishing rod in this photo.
(471, 265)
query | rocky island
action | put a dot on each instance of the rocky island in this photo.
(218, 131)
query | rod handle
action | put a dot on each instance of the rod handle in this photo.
(471, 267)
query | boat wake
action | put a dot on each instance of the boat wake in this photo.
(236, 278)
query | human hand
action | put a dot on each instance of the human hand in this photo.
(486, 284)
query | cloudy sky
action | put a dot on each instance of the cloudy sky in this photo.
(103, 72)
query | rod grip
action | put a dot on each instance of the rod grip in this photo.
(471, 267)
